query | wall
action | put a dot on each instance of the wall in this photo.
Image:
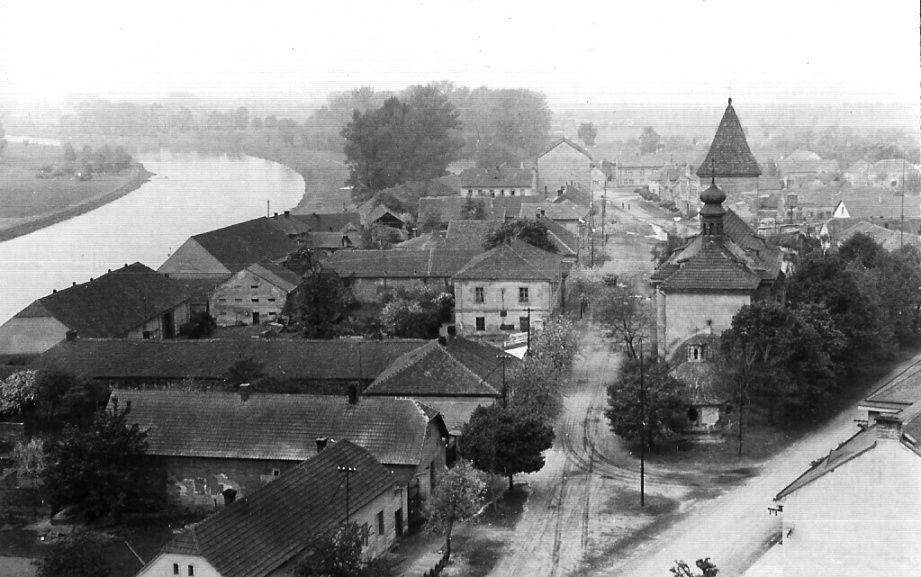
(191, 260)
(30, 336)
(466, 309)
(686, 314)
(232, 301)
(862, 519)
(560, 166)
(162, 566)
(155, 326)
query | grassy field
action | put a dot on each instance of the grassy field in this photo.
(24, 196)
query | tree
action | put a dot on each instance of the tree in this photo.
(625, 317)
(241, 118)
(473, 209)
(530, 230)
(70, 155)
(587, 133)
(707, 568)
(98, 471)
(244, 370)
(337, 553)
(18, 393)
(649, 141)
(416, 314)
(659, 395)
(79, 554)
(456, 498)
(200, 326)
(256, 123)
(320, 300)
(505, 441)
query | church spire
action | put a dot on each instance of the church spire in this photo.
(712, 212)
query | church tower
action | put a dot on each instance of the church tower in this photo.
(712, 212)
(730, 159)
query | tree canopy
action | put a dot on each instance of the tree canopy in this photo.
(506, 441)
(625, 317)
(649, 140)
(416, 314)
(664, 402)
(456, 498)
(587, 133)
(531, 231)
(337, 553)
(80, 554)
(320, 299)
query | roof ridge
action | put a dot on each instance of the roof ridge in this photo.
(467, 369)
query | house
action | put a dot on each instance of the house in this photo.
(385, 216)
(640, 170)
(701, 285)
(731, 160)
(880, 207)
(887, 238)
(367, 272)
(680, 186)
(858, 173)
(498, 181)
(269, 531)
(512, 287)
(890, 173)
(132, 302)
(317, 366)
(255, 295)
(573, 217)
(469, 234)
(425, 241)
(225, 251)
(857, 510)
(802, 168)
(294, 227)
(453, 376)
(563, 162)
(899, 392)
(207, 442)
(695, 368)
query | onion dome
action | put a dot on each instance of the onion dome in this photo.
(713, 195)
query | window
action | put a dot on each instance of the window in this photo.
(253, 286)
(255, 299)
(365, 531)
(222, 300)
(271, 300)
(481, 323)
(191, 570)
(696, 353)
(523, 294)
(240, 300)
(524, 324)
(276, 472)
(175, 568)
(380, 522)
(478, 295)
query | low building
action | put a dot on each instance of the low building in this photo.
(255, 295)
(640, 170)
(498, 181)
(207, 442)
(857, 511)
(513, 287)
(568, 214)
(132, 302)
(444, 209)
(268, 532)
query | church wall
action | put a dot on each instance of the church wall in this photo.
(687, 314)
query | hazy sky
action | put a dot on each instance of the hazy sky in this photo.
(574, 51)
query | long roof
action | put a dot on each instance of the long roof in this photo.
(209, 359)
(497, 177)
(566, 210)
(113, 304)
(260, 532)
(513, 261)
(208, 424)
(450, 208)
(431, 263)
(330, 222)
(469, 234)
(886, 238)
(901, 390)
(729, 154)
(240, 245)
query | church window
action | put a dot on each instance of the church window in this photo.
(696, 353)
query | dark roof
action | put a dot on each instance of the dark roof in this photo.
(450, 208)
(275, 274)
(271, 426)
(113, 304)
(888, 239)
(292, 226)
(469, 234)
(437, 263)
(209, 359)
(460, 368)
(879, 203)
(513, 261)
(560, 141)
(729, 153)
(497, 177)
(566, 243)
(699, 377)
(576, 194)
(381, 210)
(565, 210)
(333, 240)
(330, 222)
(240, 245)
(258, 533)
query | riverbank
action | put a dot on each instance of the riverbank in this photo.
(139, 175)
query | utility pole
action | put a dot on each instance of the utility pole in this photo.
(902, 224)
(528, 352)
(604, 204)
(643, 429)
(348, 473)
(503, 358)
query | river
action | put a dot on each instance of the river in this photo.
(189, 194)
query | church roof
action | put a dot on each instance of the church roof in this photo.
(729, 153)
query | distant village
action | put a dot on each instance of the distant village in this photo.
(279, 437)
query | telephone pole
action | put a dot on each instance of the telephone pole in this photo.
(349, 471)
(643, 430)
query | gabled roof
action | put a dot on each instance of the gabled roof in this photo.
(209, 424)
(460, 368)
(513, 261)
(333, 240)
(575, 194)
(802, 155)
(175, 360)
(498, 177)
(699, 378)
(240, 245)
(893, 167)
(899, 392)
(292, 226)
(437, 263)
(566, 243)
(260, 532)
(729, 153)
(469, 234)
(425, 241)
(880, 203)
(330, 222)
(566, 141)
(715, 265)
(113, 304)
(275, 274)
(381, 211)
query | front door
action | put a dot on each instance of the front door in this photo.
(255, 318)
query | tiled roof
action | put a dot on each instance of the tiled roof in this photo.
(698, 377)
(497, 177)
(566, 243)
(437, 263)
(333, 240)
(715, 266)
(900, 391)
(450, 208)
(260, 532)
(456, 411)
(380, 211)
(175, 360)
(292, 226)
(576, 195)
(729, 152)
(275, 274)
(558, 211)
(425, 241)
(114, 303)
(240, 245)
(560, 141)
(270, 426)
(514, 261)
(880, 203)
(766, 183)
(330, 222)
(892, 167)
(460, 368)
(469, 234)
(801, 156)
(888, 239)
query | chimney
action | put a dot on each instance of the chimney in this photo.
(543, 212)
(888, 428)
(452, 331)
(276, 215)
(321, 443)
(287, 214)
(443, 341)
(230, 495)
(245, 391)
(71, 335)
(353, 394)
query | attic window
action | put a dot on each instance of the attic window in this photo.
(276, 472)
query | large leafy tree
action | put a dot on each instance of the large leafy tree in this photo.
(319, 300)
(337, 553)
(658, 398)
(587, 133)
(626, 317)
(76, 555)
(98, 471)
(505, 441)
(649, 140)
(457, 497)
(535, 385)
(531, 231)
(416, 314)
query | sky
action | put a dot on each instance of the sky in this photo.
(577, 52)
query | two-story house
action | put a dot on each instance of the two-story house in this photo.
(563, 163)
(255, 295)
